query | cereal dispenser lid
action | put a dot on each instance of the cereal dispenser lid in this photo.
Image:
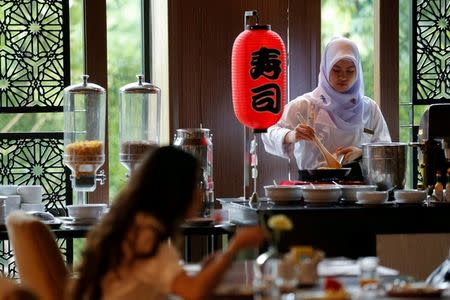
(140, 87)
(85, 87)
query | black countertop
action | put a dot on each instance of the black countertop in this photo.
(348, 230)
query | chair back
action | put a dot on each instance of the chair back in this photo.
(39, 261)
(9, 290)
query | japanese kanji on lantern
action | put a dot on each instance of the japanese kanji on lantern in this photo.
(258, 68)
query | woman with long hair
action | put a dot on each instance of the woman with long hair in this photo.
(129, 255)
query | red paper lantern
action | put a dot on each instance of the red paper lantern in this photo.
(258, 67)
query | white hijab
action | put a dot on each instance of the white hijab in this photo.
(345, 109)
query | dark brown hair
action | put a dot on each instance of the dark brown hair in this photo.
(163, 187)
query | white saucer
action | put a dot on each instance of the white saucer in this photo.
(77, 222)
(370, 202)
(408, 201)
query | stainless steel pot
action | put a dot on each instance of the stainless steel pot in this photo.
(384, 164)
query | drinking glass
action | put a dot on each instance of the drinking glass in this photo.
(368, 271)
(276, 276)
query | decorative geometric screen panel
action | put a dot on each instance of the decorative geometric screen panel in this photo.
(36, 158)
(432, 54)
(34, 55)
(7, 263)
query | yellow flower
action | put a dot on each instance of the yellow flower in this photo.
(280, 223)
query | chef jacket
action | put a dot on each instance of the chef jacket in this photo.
(373, 128)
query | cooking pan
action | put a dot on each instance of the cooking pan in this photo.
(327, 174)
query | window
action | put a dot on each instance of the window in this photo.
(405, 99)
(124, 63)
(352, 19)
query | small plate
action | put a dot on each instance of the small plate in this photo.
(415, 290)
(77, 222)
(407, 201)
(200, 221)
(371, 203)
(53, 224)
(320, 204)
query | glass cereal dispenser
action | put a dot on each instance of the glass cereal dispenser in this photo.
(84, 134)
(139, 121)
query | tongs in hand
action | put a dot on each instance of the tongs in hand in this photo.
(329, 158)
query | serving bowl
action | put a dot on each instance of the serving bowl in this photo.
(283, 192)
(349, 191)
(86, 211)
(372, 197)
(410, 196)
(324, 193)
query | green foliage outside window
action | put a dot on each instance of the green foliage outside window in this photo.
(352, 19)
(124, 62)
(355, 20)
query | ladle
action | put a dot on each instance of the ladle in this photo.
(329, 158)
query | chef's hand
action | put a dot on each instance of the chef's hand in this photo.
(350, 153)
(301, 132)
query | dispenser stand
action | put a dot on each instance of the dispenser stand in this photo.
(82, 193)
(81, 198)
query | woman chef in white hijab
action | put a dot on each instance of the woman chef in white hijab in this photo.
(337, 111)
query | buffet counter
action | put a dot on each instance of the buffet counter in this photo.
(343, 230)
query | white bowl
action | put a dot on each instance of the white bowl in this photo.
(32, 207)
(283, 192)
(349, 191)
(372, 197)
(8, 189)
(410, 196)
(321, 193)
(86, 211)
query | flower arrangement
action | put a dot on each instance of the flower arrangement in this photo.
(277, 224)
(280, 223)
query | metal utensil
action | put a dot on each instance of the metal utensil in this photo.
(329, 158)
(335, 183)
